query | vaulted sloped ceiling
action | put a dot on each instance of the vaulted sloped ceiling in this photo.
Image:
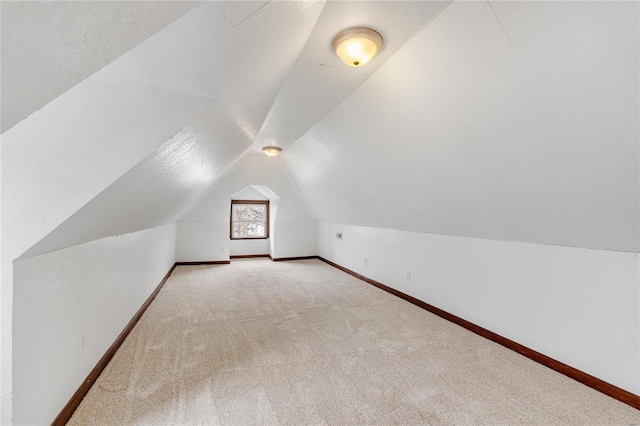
(516, 121)
(137, 143)
(319, 80)
(50, 46)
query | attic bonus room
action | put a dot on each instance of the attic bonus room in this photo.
(320, 212)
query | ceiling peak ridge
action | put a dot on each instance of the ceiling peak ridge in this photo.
(332, 67)
(290, 118)
(251, 14)
(275, 98)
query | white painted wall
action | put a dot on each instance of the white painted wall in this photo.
(69, 307)
(245, 247)
(293, 226)
(53, 165)
(293, 239)
(250, 193)
(579, 306)
(58, 159)
(202, 241)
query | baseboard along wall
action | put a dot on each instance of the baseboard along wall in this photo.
(580, 376)
(65, 414)
(280, 259)
(275, 259)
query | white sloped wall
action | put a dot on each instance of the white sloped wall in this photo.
(499, 134)
(47, 48)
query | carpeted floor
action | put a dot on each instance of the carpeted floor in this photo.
(300, 342)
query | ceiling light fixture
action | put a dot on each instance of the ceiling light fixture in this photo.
(357, 46)
(272, 151)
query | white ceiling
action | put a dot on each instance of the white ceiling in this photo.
(516, 125)
(524, 128)
(48, 47)
(184, 58)
(319, 80)
(141, 192)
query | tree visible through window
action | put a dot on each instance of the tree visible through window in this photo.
(249, 219)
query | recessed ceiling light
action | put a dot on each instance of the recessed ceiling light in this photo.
(272, 151)
(357, 46)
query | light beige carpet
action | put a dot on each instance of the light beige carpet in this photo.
(300, 342)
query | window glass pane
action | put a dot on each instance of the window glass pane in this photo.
(248, 230)
(249, 212)
(249, 220)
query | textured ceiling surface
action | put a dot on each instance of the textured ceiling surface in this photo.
(175, 175)
(510, 120)
(49, 47)
(518, 125)
(319, 80)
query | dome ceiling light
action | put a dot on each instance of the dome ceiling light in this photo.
(272, 151)
(357, 46)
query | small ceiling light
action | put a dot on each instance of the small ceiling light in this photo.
(357, 46)
(272, 151)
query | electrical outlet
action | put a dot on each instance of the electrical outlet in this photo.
(408, 275)
(339, 235)
(366, 262)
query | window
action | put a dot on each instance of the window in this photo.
(249, 219)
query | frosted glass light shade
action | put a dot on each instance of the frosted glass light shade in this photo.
(357, 46)
(272, 151)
